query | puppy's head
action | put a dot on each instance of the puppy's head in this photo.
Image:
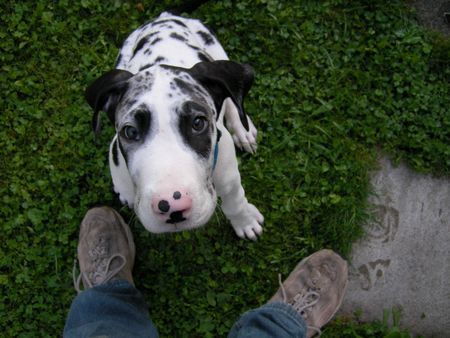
(164, 152)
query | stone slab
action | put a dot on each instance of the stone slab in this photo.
(404, 260)
(434, 14)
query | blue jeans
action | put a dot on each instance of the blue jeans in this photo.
(117, 309)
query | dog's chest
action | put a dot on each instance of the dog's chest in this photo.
(169, 40)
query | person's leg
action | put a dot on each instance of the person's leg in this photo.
(304, 303)
(113, 309)
(272, 320)
(110, 305)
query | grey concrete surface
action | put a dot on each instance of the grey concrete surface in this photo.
(404, 260)
(434, 14)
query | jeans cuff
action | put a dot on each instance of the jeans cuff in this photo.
(115, 284)
(288, 310)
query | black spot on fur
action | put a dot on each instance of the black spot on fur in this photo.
(184, 87)
(200, 141)
(203, 57)
(146, 66)
(140, 119)
(160, 22)
(173, 70)
(154, 42)
(115, 153)
(160, 59)
(177, 36)
(140, 44)
(178, 22)
(163, 22)
(177, 195)
(129, 103)
(207, 38)
(193, 47)
(143, 118)
(199, 90)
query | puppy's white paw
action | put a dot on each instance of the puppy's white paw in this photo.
(244, 139)
(250, 226)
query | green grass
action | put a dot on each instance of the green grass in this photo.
(337, 83)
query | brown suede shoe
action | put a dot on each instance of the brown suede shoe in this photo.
(105, 249)
(315, 288)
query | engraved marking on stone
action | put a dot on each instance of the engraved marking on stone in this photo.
(384, 228)
(372, 273)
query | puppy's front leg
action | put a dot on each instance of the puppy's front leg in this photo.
(244, 217)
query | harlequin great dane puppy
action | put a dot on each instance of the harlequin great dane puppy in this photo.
(168, 97)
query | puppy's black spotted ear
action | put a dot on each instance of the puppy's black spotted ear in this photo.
(225, 79)
(105, 93)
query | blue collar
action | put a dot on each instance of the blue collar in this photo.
(216, 149)
(216, 155)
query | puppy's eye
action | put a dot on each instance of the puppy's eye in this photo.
(130, 133)
(199, 124)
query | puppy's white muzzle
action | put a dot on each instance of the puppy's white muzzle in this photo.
(174, 193)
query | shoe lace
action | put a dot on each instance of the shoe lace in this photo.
(302, 302)
(100, 276)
